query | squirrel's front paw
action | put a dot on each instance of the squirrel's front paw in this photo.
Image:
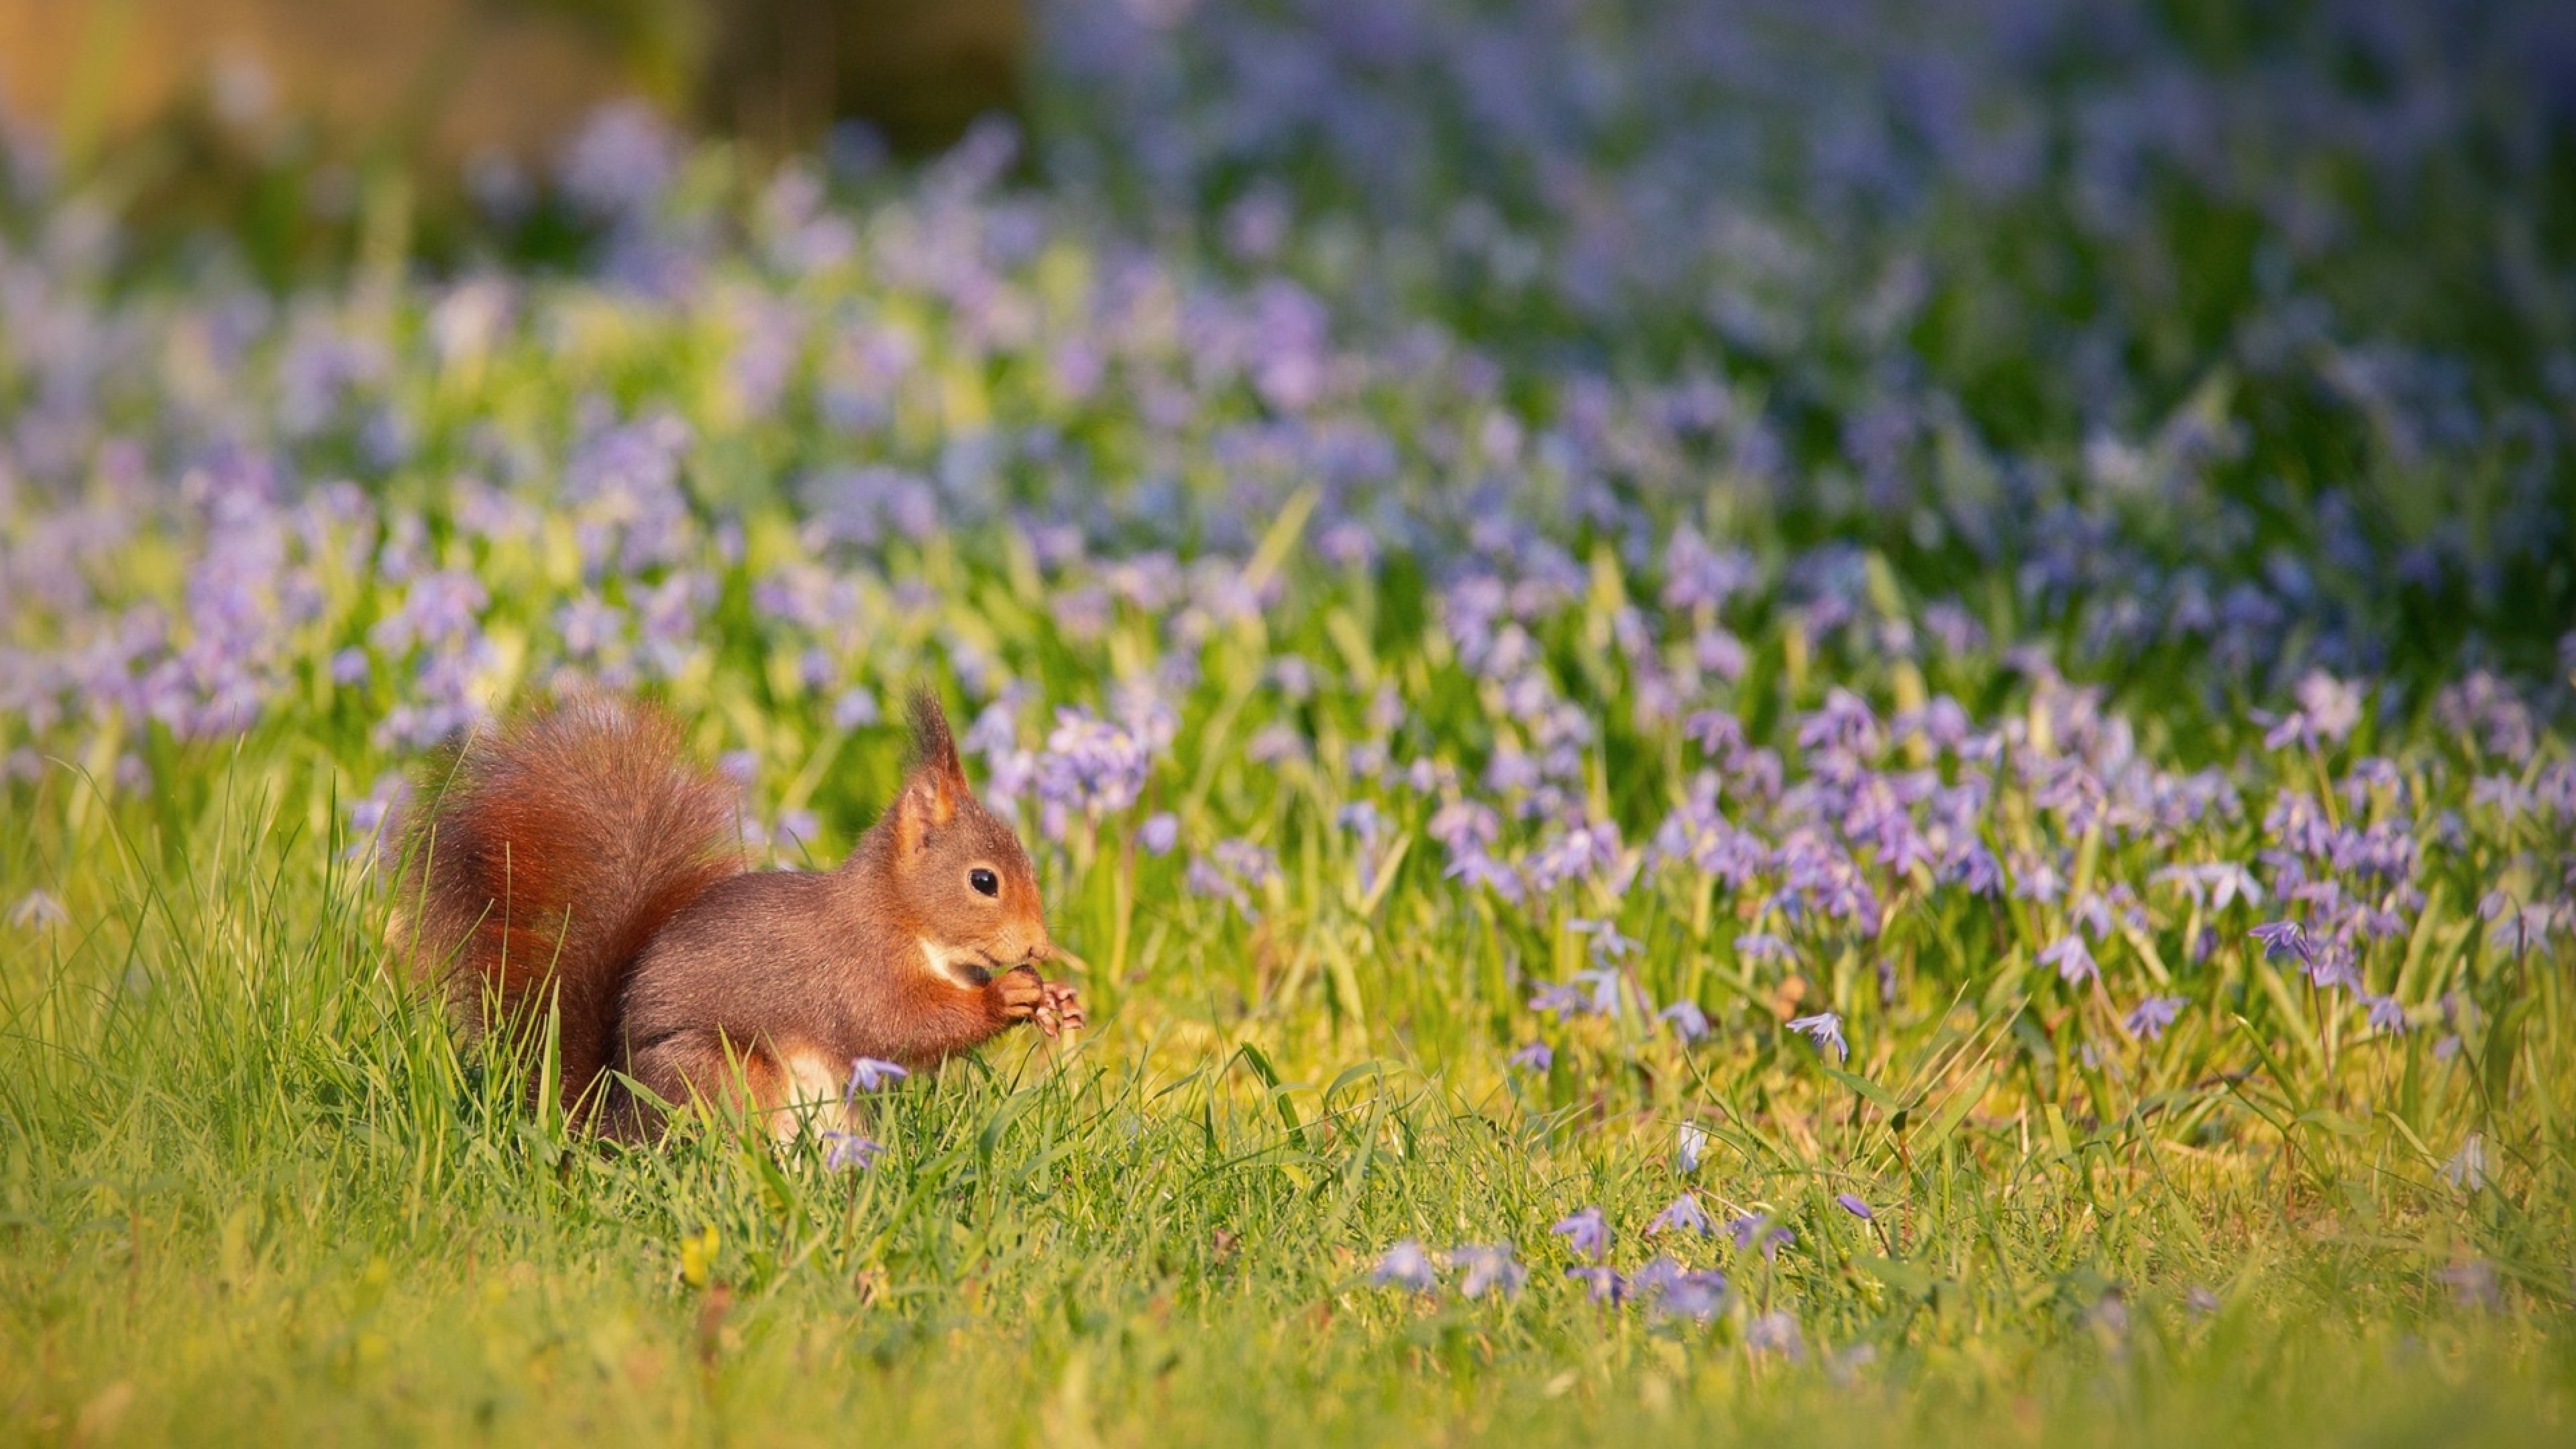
(1061, 1011)
(1020, 993)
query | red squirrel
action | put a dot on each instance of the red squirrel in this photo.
(578, 856)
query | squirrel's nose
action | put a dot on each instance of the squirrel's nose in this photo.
(1039, 951)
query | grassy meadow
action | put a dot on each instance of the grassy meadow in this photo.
(1751, 721)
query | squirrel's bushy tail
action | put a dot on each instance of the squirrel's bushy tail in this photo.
(542, 859)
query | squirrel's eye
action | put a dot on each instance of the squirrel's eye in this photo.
(984, 881)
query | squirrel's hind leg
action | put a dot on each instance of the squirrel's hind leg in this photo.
(702, 1068)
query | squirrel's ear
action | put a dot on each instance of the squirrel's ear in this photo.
(937, 787)
(927, 802)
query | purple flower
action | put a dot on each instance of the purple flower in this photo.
(2282, 939)
(1406, 1266)
(2149, 1018)
(1607, 944)
(1680, 1291)
(1775, 1332)
(1600, 1284)
(1586, 1232)
(1855, 1207)
(856, 708)
(37, 910)
(1825, 1028)
(2387, 1014)
(1685, 1215)
(1159, 833)
(1761, 946)
(1538, 1056)
(1689, 1022)
(1490, 1269)
(1560, 999)
(1755, 1230)
(845, 1150)
(1693, 1140)
(1700, 1295)
(2074, 962)
(869, 1073)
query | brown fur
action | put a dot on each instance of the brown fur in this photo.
(545, 858)
(585, 825)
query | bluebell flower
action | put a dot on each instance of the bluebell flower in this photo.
(1756, 1230)
(856, 708)
(1689, 1022)
(1586, 1232)
(1698, 1294)
(1669, 1287)
(1538, 1056)
(1825, 1029)
(1406, 1266)
(843, 1151)
(1685, 1215)
(1489, 1269)
(2073, 960)
(37, 910)
(1761, 946)
(1601, 1284)
(2282, 939)
(869, 1073)
(1853, 1205)
(1775, 1332)
(1692, 1141)
(1607, 944)
(1560, 999)
(2149, 1018)
(2387, 1014)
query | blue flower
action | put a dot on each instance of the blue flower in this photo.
(1406, 1266)
(1825, 1028)
(1490, 1269)
(1685, 1215)
(1775, 1332)
(1755, 1230)
(1538, 1056)
(845, 1150)
(869, 1073)
(37, 910)
(2149, 1018)
(2387, 1014)
(2282, 939)
(1602, 1285)
(2073, 960)
(1586, 1232)
(1689, 1022)
(1691, 1142)
(1855, 1207)
(1672, 1288)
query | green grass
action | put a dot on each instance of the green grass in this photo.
(253, 1192)
(253, 1189)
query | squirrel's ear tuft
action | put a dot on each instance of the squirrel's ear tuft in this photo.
(933, 748)
(936, 787)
